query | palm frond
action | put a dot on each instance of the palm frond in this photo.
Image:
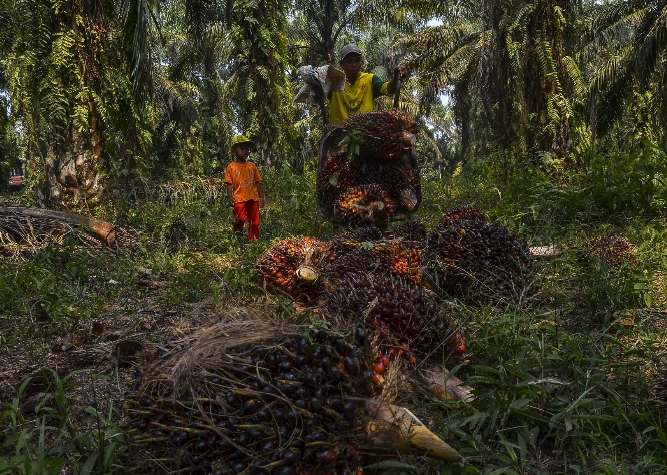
(651, 42)
(576, 77)
(139, 27)
(615, 69)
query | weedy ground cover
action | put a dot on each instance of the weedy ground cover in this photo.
(563, 379)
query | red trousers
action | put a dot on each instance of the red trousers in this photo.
(247, 211)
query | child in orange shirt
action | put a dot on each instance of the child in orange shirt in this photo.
(244, 188)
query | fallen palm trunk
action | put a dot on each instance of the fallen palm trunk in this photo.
(20, 223)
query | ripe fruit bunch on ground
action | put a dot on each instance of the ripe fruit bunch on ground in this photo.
(282, 264)
(380, 257)
(471, 257)
(386, 134)
(404, 316)
(413, 231)
(378, 283)
(288, 408)
(614, 249)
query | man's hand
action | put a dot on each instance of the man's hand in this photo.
(402, 70)
(403, 73)
(262, 201)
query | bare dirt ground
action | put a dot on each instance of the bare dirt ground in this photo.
(108, 352)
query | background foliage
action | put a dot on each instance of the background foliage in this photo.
(548, 115)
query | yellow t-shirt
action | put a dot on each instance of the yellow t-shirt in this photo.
(243, 178)
(357, 97)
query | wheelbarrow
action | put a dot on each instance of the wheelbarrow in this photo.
(333, 145)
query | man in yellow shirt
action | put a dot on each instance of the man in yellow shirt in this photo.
(360, 88)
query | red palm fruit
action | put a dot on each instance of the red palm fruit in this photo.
(379, 368)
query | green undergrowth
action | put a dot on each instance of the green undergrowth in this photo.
(58, 436)
(563, 380)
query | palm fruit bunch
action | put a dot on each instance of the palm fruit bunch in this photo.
(293, 266)
(364, 205)
(381, 257)
(413, 177)
(284, 408)
(336, 176)
(404, 315)
(472, 258)
(464, 212)
(414, 231)
(614, 249)
(386, 134)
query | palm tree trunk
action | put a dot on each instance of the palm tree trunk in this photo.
(75, 169)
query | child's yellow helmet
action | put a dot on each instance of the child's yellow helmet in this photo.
(237, 139)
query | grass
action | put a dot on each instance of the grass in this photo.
(563, 381)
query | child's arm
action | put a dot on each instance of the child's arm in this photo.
(230, 194)
(262, 200)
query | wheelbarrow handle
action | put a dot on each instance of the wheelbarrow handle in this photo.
(397, 92)
(319, 96)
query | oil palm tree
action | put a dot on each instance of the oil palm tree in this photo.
(192, 129)
(446, 58)
(509, 61)
(255, 81)
(71, 81)
(317, 27)
(627, 47)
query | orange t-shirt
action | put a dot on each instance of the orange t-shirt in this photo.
(242, 177)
